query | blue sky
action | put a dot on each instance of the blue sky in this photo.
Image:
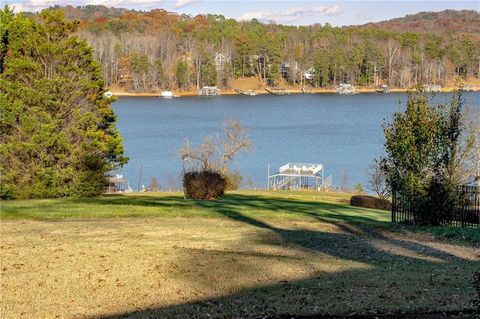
(286, 12)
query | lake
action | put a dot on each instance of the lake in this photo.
(344, 132)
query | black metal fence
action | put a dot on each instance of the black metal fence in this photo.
(466, 212)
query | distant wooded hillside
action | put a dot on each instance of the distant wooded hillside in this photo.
(464, 21)
(154, 50)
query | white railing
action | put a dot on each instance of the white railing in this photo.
(301, 168)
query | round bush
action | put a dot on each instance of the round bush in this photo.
(204, 185)
(370, 202)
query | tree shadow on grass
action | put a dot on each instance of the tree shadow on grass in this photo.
(371, 273)
(253, 203)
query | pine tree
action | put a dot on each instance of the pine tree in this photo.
(6, 16)
(181, 74)
(208, 73)
(57, 131)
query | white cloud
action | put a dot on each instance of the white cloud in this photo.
(18, 7)
(182, 3)
(290, 15)
(125, 3)
(329, 10)
(37, 5)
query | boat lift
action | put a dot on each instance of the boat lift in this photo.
(299, 176)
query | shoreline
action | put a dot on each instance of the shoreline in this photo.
(192, 93)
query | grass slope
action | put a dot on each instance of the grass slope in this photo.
(249, 255)
(278, 205)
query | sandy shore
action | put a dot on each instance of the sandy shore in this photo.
(263, 91)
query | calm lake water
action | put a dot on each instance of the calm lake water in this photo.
(344, 132)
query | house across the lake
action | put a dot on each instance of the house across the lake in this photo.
(220, 61)
(309, 74)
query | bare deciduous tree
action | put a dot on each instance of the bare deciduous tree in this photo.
(199, 158)
(235, 140)
(392, 48)
(216, 152)
(377, 180)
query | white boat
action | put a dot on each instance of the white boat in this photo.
(247, 92)
(209, 91)
(108, 94)
(432, 88)
(383, 89)
(345, 88)
(167, 94)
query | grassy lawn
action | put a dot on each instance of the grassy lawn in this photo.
(279, 205)
(251, 254)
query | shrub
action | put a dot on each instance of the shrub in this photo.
(370, 202)
(234, 180)
(438, 205)
(204, 185)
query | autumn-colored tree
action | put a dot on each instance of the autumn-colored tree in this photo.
(399, 53)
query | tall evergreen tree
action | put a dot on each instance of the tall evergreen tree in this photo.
(181, 74)
(57, 130)
(6, 16)
(208, 72)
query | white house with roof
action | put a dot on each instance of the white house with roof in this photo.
(220, 61)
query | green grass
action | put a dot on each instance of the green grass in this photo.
(277, 205)
(250, 254)
(453, 234)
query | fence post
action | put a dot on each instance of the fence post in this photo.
(393, 205)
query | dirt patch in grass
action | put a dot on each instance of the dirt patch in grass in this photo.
(233, 267)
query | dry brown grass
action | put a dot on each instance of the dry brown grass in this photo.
(195, 267)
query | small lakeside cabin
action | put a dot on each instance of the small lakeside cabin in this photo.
(345, 88)
(117, 184)
(209, 91)
(299, 176)
(309, 74)
(432, 88)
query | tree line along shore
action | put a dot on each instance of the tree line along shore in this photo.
(151, 51)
